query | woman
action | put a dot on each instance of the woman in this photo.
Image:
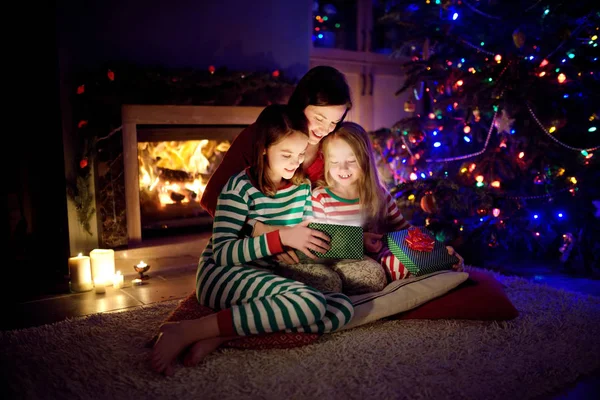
(324, 96)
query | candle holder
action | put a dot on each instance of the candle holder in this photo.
(141, 268)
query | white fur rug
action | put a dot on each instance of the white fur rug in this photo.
(555, 340)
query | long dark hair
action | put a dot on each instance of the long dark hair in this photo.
(321, 86)
(275, 123)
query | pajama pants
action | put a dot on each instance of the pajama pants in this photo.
(261, 301)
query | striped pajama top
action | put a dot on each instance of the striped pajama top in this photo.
(333, 209)
(240, 200)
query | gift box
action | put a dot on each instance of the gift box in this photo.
(419, 251)
(346, 242)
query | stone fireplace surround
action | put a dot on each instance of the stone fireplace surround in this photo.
(135, 115)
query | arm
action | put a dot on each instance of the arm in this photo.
(395, 218)
(229, 219)
(238, 157)
(318, 209)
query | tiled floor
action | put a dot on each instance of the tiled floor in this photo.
(172, 276)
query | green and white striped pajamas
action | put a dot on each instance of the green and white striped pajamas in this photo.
(235, 272)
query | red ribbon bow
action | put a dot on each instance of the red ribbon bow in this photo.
(419, 241)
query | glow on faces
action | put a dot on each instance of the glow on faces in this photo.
(343, 165)
(322, 120)
(285, 156)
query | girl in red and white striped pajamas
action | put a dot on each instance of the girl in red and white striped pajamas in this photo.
(235, 273)
(354, 195)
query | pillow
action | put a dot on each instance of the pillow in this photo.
(403, 295)
(481, 297)
(189, 308)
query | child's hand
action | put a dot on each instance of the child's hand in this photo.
(372, 242)
(460, 265)
(288, 257)
(303, 238)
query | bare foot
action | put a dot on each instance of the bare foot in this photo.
(201, 349)
(170, 343)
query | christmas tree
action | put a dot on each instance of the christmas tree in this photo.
(498, 154)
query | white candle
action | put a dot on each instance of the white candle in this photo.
(80, 272)
(103, 266)
(100, 286)
(118, 280)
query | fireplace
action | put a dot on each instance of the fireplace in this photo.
(169, 153)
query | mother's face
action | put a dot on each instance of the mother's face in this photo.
(322, 120)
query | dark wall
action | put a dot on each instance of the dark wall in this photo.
(237, 34)
(34, 205)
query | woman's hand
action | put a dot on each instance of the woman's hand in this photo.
(460, 265)
(372, 242)
(303, 238)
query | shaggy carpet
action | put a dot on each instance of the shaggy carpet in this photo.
(555, 340)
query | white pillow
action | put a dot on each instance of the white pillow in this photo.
(402, 295)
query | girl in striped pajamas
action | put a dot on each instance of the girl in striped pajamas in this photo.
(235, 273)
(354, 195)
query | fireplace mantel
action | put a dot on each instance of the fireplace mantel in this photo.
(133, 115)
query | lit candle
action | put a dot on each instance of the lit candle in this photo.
(80, 272)
(118, 280)
(103, 266)
(100, 286)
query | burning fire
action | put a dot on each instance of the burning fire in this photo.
(177, 171)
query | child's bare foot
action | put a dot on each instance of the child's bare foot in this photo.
(170, 343)
(201, 349)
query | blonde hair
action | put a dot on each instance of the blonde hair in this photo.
(371, 192)
(275, 123)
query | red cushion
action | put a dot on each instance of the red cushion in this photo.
(481, 297)
(190, 309)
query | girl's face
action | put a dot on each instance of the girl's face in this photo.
(285, 156)
(322, 120)
(344, 168)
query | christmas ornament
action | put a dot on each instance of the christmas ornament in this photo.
(416, 136)
(503, 122)
(567, 246)
(275, 73)
(477, 114)
(83, 163)
(518, 38)
(409, 106)
(212, 69)
(111, 75)
(428, 203)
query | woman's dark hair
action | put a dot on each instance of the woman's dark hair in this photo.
(275, 123)
(321, 86)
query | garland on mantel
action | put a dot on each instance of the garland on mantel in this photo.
(99, 95)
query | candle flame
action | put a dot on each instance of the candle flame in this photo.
(79, 255)
(142, 264)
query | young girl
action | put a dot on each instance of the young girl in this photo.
(235, 274)
(354, 195)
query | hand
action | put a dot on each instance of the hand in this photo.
(460, 265)
(372, 242)
(288, 257)
(303, 238)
